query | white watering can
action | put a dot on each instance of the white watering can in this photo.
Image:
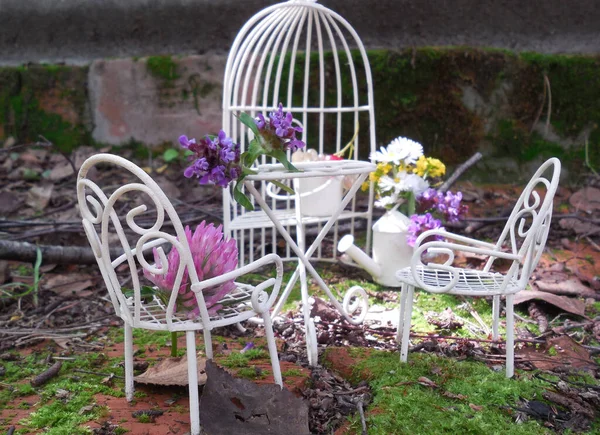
(391, 251)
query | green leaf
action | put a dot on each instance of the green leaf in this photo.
(170, 155)
(239, 196)
(254, 151)
(285, 187)
(282, 158)
(248, 121)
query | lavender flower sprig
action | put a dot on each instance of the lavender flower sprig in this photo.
(217, 159)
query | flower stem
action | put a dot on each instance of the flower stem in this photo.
(411, 203)
(341, 153)
(174, 344)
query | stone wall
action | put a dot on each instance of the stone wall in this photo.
(514, 108)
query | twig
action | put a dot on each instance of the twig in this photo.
(361, 412)
(356, 390)
(477, 340)
(47, 375)
(11, 430)
(98, 374)
(459, 171)
(594, 244)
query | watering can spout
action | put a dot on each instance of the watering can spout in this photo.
(346, 244)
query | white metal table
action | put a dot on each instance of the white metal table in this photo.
(356, 297)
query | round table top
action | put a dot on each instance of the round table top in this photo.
(321, 168)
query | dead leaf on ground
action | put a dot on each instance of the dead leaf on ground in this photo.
(586, 199)
(579, 226)
(38, 197)
(67, 285)
(570, 305)
(229, 405)
(9, 202)
(475, 407)
(568, 353)
(426, 382)
(172, 371)
(562, 283)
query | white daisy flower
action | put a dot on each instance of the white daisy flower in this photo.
(387, 183)
(413, 183)
(386, 201)
(404, 149)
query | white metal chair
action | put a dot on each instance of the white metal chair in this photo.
(309, 58)
(153, 222)
(521, 242)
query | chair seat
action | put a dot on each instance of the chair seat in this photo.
(470, 282)
(236, 308)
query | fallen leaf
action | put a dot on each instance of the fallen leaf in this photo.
(426, 382)
(475, 407)
(568, 353)
(61, 170)
(579, 226)
(172, 371)
(239, 406)
(454, 396)
(67, 284)
(586, 199)
(9, 202)
(38, 197)
(570, 305)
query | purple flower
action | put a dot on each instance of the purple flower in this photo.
(215, 160)
(212, 256)
(419, 223)
(448, 206)
(247, 347)
(278, 131)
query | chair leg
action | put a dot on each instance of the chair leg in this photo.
(192, 363)
(272, 348)
(495, 317)
(129, 387)
(403, 293)
(406, 326)
(510, 336)
(208, 349)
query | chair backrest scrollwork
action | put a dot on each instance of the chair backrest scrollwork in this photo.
(150, 221)
(526, 230)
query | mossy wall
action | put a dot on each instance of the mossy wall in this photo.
(515, 108)
(45, 100)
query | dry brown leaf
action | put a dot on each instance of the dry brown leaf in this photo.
(454, 396)
(586, 199)
(570, 305)
(69, 284)
(475, 407)
(38, 197)
(568, 353)
(172, 371)
(426, 382)
(61, 170)
(9, 202)
(579, 226)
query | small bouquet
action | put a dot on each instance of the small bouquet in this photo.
(218, 160)
(403, 180)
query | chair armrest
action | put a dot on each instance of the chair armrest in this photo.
(456, 237)
(449, 249)
(258, 302)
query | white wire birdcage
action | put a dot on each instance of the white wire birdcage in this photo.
(310, 59)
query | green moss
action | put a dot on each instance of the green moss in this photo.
(426, 410)
(163, 68)
(252, 372)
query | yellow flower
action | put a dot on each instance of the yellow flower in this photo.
(428, 166)
(436, 168)
(421, 166)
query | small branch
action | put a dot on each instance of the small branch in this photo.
(459, 171)
(47, 375)
(361, 412)
(27, 252)
(88, 372)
